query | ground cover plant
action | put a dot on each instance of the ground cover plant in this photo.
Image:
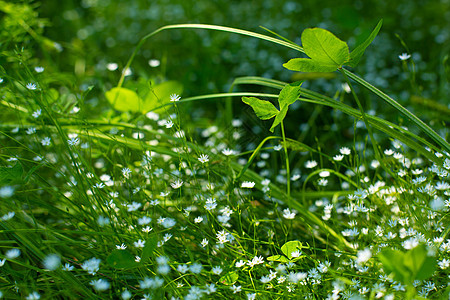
(125, 188)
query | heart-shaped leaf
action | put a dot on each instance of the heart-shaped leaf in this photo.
(323, 46)
(419, 263)
(229, 278)
(266, 110)
(326, 51)
(123, 99)
(358, 52)
(290, 247)
(263, 109)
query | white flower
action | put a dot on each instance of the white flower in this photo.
(126, 172)
(91, 265)
(46, 141)
(51, 262)
(203, 158)
(227, 152)
(126, 295)
(37, 113)
(310, 164)
(277, 147)
(154, 63)
(345, 151)
(338, 157)
(217, 270)
(39, 69)
(100, 284)
(31, 86)
(363, 256)
(174, 98)
(177, 184)
(287, 214)
(12, 253)
(33, 296)
(247, 184)
(112, 66)
(404, 56)
(195, 268)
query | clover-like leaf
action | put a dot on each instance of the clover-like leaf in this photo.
(288, 95)
(123, 99)
(326, 52)
(291, 246)
(358, 52)
(229, 278)
(264, 109)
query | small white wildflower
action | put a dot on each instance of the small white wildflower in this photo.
(247, 184)
(203, 158)
(33, 296)
(174, 98)
(91, 265)
(112, 66)
(39, 69)
(37, 113)
(310, 164)
(52, 262)
(100, 284)
(404, 56)
(287, 214)
(31, 86)
(338, 157)
(363, 256)
(227, 152)
(345, 151)
(177, 184)
(154, 63)
(46, 141)
(12, 253)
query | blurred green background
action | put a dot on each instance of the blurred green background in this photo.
(96, 36)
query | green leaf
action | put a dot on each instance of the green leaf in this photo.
(263, 109)
(121, 259)
(323, 46)
(290, 247)
(309, 65)
(123, 99)
(150, 246)
(160, 95)
(419, 263)
(288, 95)
(358, 52)
(229, 279)
(392, 261)
(10, 175)
(279, 258)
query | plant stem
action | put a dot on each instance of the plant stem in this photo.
(369, 128)
(424, 127)
(288, 173)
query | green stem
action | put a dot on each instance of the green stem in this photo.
(288, 173)
(363, 114)
(419, 123)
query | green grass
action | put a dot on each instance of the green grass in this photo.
(128, 195)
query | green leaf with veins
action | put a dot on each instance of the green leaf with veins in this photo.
(265, 110)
